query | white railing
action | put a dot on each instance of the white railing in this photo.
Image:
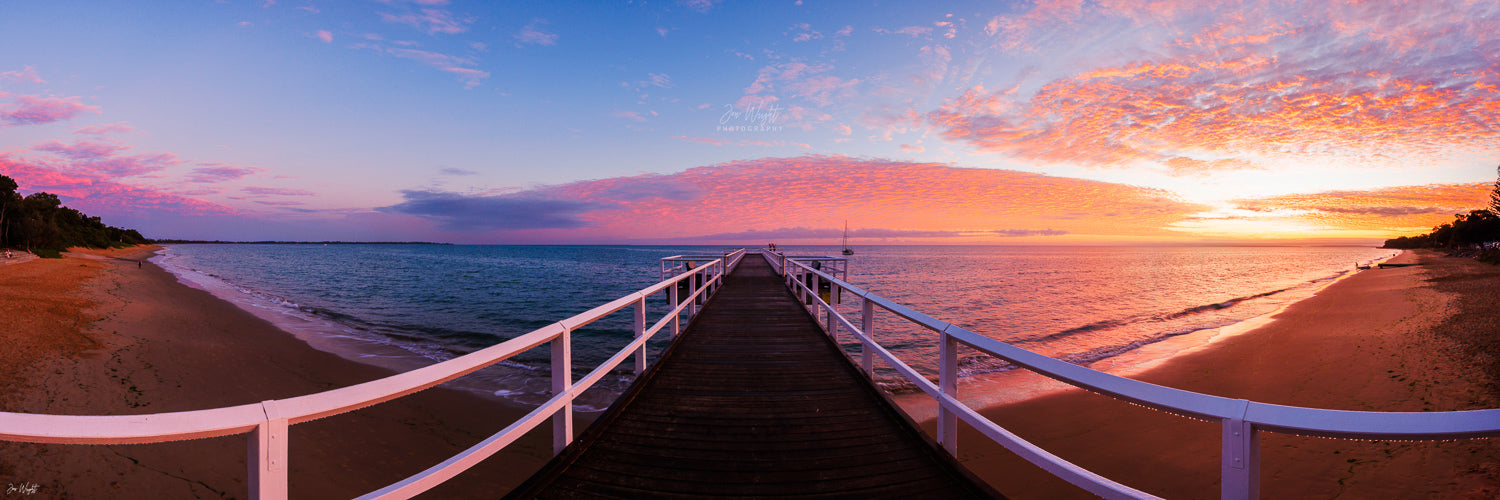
(1242, 420)
(267, 422)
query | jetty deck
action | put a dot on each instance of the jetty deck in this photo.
(753, 400)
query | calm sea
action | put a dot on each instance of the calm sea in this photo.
(407, 305)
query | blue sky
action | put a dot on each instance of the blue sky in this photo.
(313, 119)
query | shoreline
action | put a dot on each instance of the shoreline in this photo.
(1365, 343)
(497, 382)
(109, 336)
(993, 390)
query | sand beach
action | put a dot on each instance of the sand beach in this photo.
(97, 333)
(1396, 339)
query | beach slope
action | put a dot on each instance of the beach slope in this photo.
(1370, 342)
(99, 333)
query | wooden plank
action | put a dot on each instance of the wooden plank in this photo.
(752, 400)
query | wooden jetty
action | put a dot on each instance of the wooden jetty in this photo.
(753, 400)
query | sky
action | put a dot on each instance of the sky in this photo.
(722, 122)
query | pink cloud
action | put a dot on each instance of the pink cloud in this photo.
(325, 36)
(36, 110)
(927, 199)
(97, 158)
(1212, 88)
(97, 195)
(218, 172)
(105, 129)
(1396, 210)
(629, 115)
(82, 150)
(443, 62)
(27, 74)
(433, 21)
(273, 191)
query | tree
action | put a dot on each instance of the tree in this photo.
(8, 199)
(1495, 195)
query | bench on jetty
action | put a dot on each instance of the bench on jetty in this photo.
(702, 282)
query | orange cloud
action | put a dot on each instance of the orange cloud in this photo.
(1396, 210)
(895, 201)
(1249, 82)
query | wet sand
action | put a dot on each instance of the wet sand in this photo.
(1382, 340)
(94, 334)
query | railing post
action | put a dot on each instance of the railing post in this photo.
(268, 454)
(562, 383)
(947, 423)
(639, 323)
(692, 299)
(672, 305)
(867, 325)
(1239, 476)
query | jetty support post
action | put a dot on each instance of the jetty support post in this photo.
(947, 423)
(562, 383)
(1239, 470)
(268, 454)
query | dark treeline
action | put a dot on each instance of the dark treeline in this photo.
(1466, 232)
(40, 224)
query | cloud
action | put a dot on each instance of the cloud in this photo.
(452, 64)
(273, 191)
(97, 158)
(634, 116)
(911, 31)
(105, 129)
(325, 36)
(82, 150)
(704, 140)
(798, 80)
(1394, 210)
(98, 195)
(433, 21)
(27, 74)
(464, 213)
(919, 200)
(912, 149)
(216, 173)
(532, 34)
(700, 6)
(456, 171)
(1233, 86)
(37, 110)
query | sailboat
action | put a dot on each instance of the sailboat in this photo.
(847, 250)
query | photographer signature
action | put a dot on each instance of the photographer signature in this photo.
(23, 488)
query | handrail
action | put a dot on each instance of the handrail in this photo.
(267, 421)
(1242, 420)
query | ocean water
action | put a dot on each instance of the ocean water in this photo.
(404, 306)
